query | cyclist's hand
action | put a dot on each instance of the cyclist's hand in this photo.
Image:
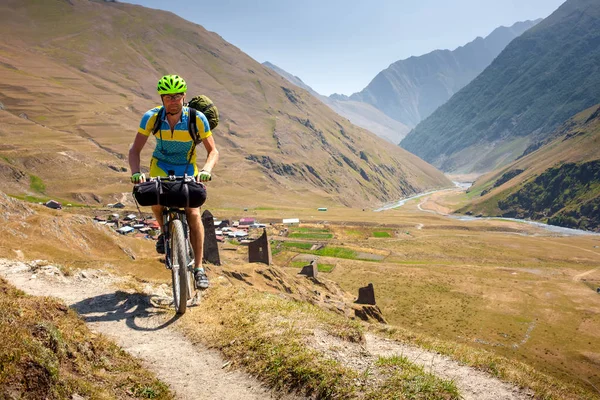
(138, 177)
(204, 176)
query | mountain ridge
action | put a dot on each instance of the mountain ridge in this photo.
(409, 90)
(362, 114)
(539, 80)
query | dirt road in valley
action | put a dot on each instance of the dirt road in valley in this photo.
(581, 275)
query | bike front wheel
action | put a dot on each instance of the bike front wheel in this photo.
(179, 262)
(191, 280)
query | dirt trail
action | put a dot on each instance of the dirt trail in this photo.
(578, 277)
(137, 323)
(471, 383)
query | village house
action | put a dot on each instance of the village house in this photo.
(246, 221)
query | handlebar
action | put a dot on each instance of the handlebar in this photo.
(173, 178)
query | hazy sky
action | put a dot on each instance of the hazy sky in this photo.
(340, 45)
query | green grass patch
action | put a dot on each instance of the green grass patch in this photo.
(320, 267)
(411, 381)
(309, 230)
(29, 198)
(298, 264)
(36, 184)
(38, 199)
(298, 235)
(297, 245)
(327, 251)
(381, 234)
(325, 267)
(337, 252)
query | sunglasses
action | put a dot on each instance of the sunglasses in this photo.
(173, 97)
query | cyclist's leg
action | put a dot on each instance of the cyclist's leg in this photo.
(157, 211)
(197, 240)
(196, 234)
(196, 227)
(156, 171)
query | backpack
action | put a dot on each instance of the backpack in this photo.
(201, 103)
(205, 105)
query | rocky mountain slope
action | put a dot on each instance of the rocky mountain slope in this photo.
(410, 90)
(359, 113)
(558, 182)
(541, 79)
(77, 76)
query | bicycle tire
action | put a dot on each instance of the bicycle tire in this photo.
(191, 284)
(179, 262)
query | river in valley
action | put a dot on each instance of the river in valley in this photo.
(464, 186)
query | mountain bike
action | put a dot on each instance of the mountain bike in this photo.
(176, 192)
(179, 256)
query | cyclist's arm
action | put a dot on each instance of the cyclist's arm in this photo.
(135, 151)
(212, 153)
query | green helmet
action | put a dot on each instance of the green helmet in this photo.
(171, 84)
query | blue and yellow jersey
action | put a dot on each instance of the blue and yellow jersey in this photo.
(173, 148)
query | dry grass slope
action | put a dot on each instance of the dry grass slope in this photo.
(86, 72)
(47, 352)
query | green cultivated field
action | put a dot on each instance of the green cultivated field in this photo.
(320, 267)
(381, 234)
(310, 233)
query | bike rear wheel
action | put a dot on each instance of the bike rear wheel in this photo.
(179, 262)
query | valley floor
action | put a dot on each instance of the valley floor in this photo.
(504, 297)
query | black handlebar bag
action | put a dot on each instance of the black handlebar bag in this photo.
(180, 193)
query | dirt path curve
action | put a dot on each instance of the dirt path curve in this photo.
(578, 277)
(472, 384)
(137, 323)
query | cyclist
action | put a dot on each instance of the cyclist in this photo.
(174, 150)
